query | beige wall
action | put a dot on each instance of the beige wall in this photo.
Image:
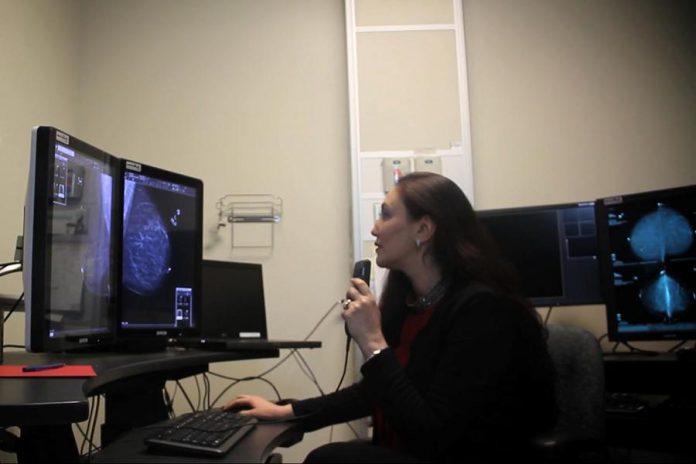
(570, 100)
(38, 85)
(574, 100)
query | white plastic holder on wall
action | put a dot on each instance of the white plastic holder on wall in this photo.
(252, 217)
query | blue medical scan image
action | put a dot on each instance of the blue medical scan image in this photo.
(657, 237)
(660, 234)
(146, 251)
(665, 297)
(655, 268)
(159, 252)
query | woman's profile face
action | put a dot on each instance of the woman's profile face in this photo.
(394, 233)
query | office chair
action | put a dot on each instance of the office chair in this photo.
(579, 435)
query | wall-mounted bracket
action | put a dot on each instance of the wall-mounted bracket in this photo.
(256, 212)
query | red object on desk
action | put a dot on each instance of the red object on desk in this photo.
(69, 370)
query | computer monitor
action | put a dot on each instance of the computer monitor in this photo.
(647, 256)
(233, 300)
(69, 269)
(553, 248)
(161, 252)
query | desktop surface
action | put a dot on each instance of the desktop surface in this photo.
(113, 366)
(41, 401)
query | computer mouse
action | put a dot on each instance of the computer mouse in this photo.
(237, 409)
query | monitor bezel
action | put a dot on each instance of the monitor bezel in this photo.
(606, 268)
(562, 300)
(145, 338)
(37, 245)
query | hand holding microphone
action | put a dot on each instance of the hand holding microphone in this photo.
(361, 270)
(361, 312)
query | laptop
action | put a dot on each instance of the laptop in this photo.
(233, 315)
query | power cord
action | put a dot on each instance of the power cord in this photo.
(677, 346)
(634, 349)
(235, 381)
(14, 306)
(548, 315)
(345, 363)
(307, 370)
(183, 391)
(88, 434)
(9, 268)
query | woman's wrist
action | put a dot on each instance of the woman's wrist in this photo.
(372, 348)
(288, 412)
(374, 353)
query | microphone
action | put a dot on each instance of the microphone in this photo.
(361, 270)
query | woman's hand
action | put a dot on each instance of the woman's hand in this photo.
(362, 318)
(261, 408)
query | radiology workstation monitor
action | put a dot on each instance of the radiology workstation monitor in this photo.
(161, 252)
(69, 270)
(648, 264)
(553, 249)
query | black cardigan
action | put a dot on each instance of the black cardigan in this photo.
(479, 382)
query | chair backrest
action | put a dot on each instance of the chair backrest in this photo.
(577, 357)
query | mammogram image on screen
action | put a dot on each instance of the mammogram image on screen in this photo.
(146, 250)
(158, 257)
(80, 241)
(654, 264)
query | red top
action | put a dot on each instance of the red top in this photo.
(384, 434)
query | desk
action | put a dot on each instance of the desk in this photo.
(132, 384)
(43, 408)
(40, 401)
(666, 384)
(256, 446)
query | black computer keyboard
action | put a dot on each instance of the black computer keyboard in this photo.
(213, 432)
(623, 403)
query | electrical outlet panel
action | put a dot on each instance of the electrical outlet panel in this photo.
(392, 170)
(429, 164)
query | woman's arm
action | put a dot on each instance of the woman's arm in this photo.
(455, 375)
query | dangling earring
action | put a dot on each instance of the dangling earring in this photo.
(418, 243)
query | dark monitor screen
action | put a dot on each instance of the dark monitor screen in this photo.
(69, 268)
(648, 264)
(161, 250)
(553, 249)
(233, 300)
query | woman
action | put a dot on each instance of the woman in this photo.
(455, 362)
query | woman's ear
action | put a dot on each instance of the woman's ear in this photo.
(425, 229)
